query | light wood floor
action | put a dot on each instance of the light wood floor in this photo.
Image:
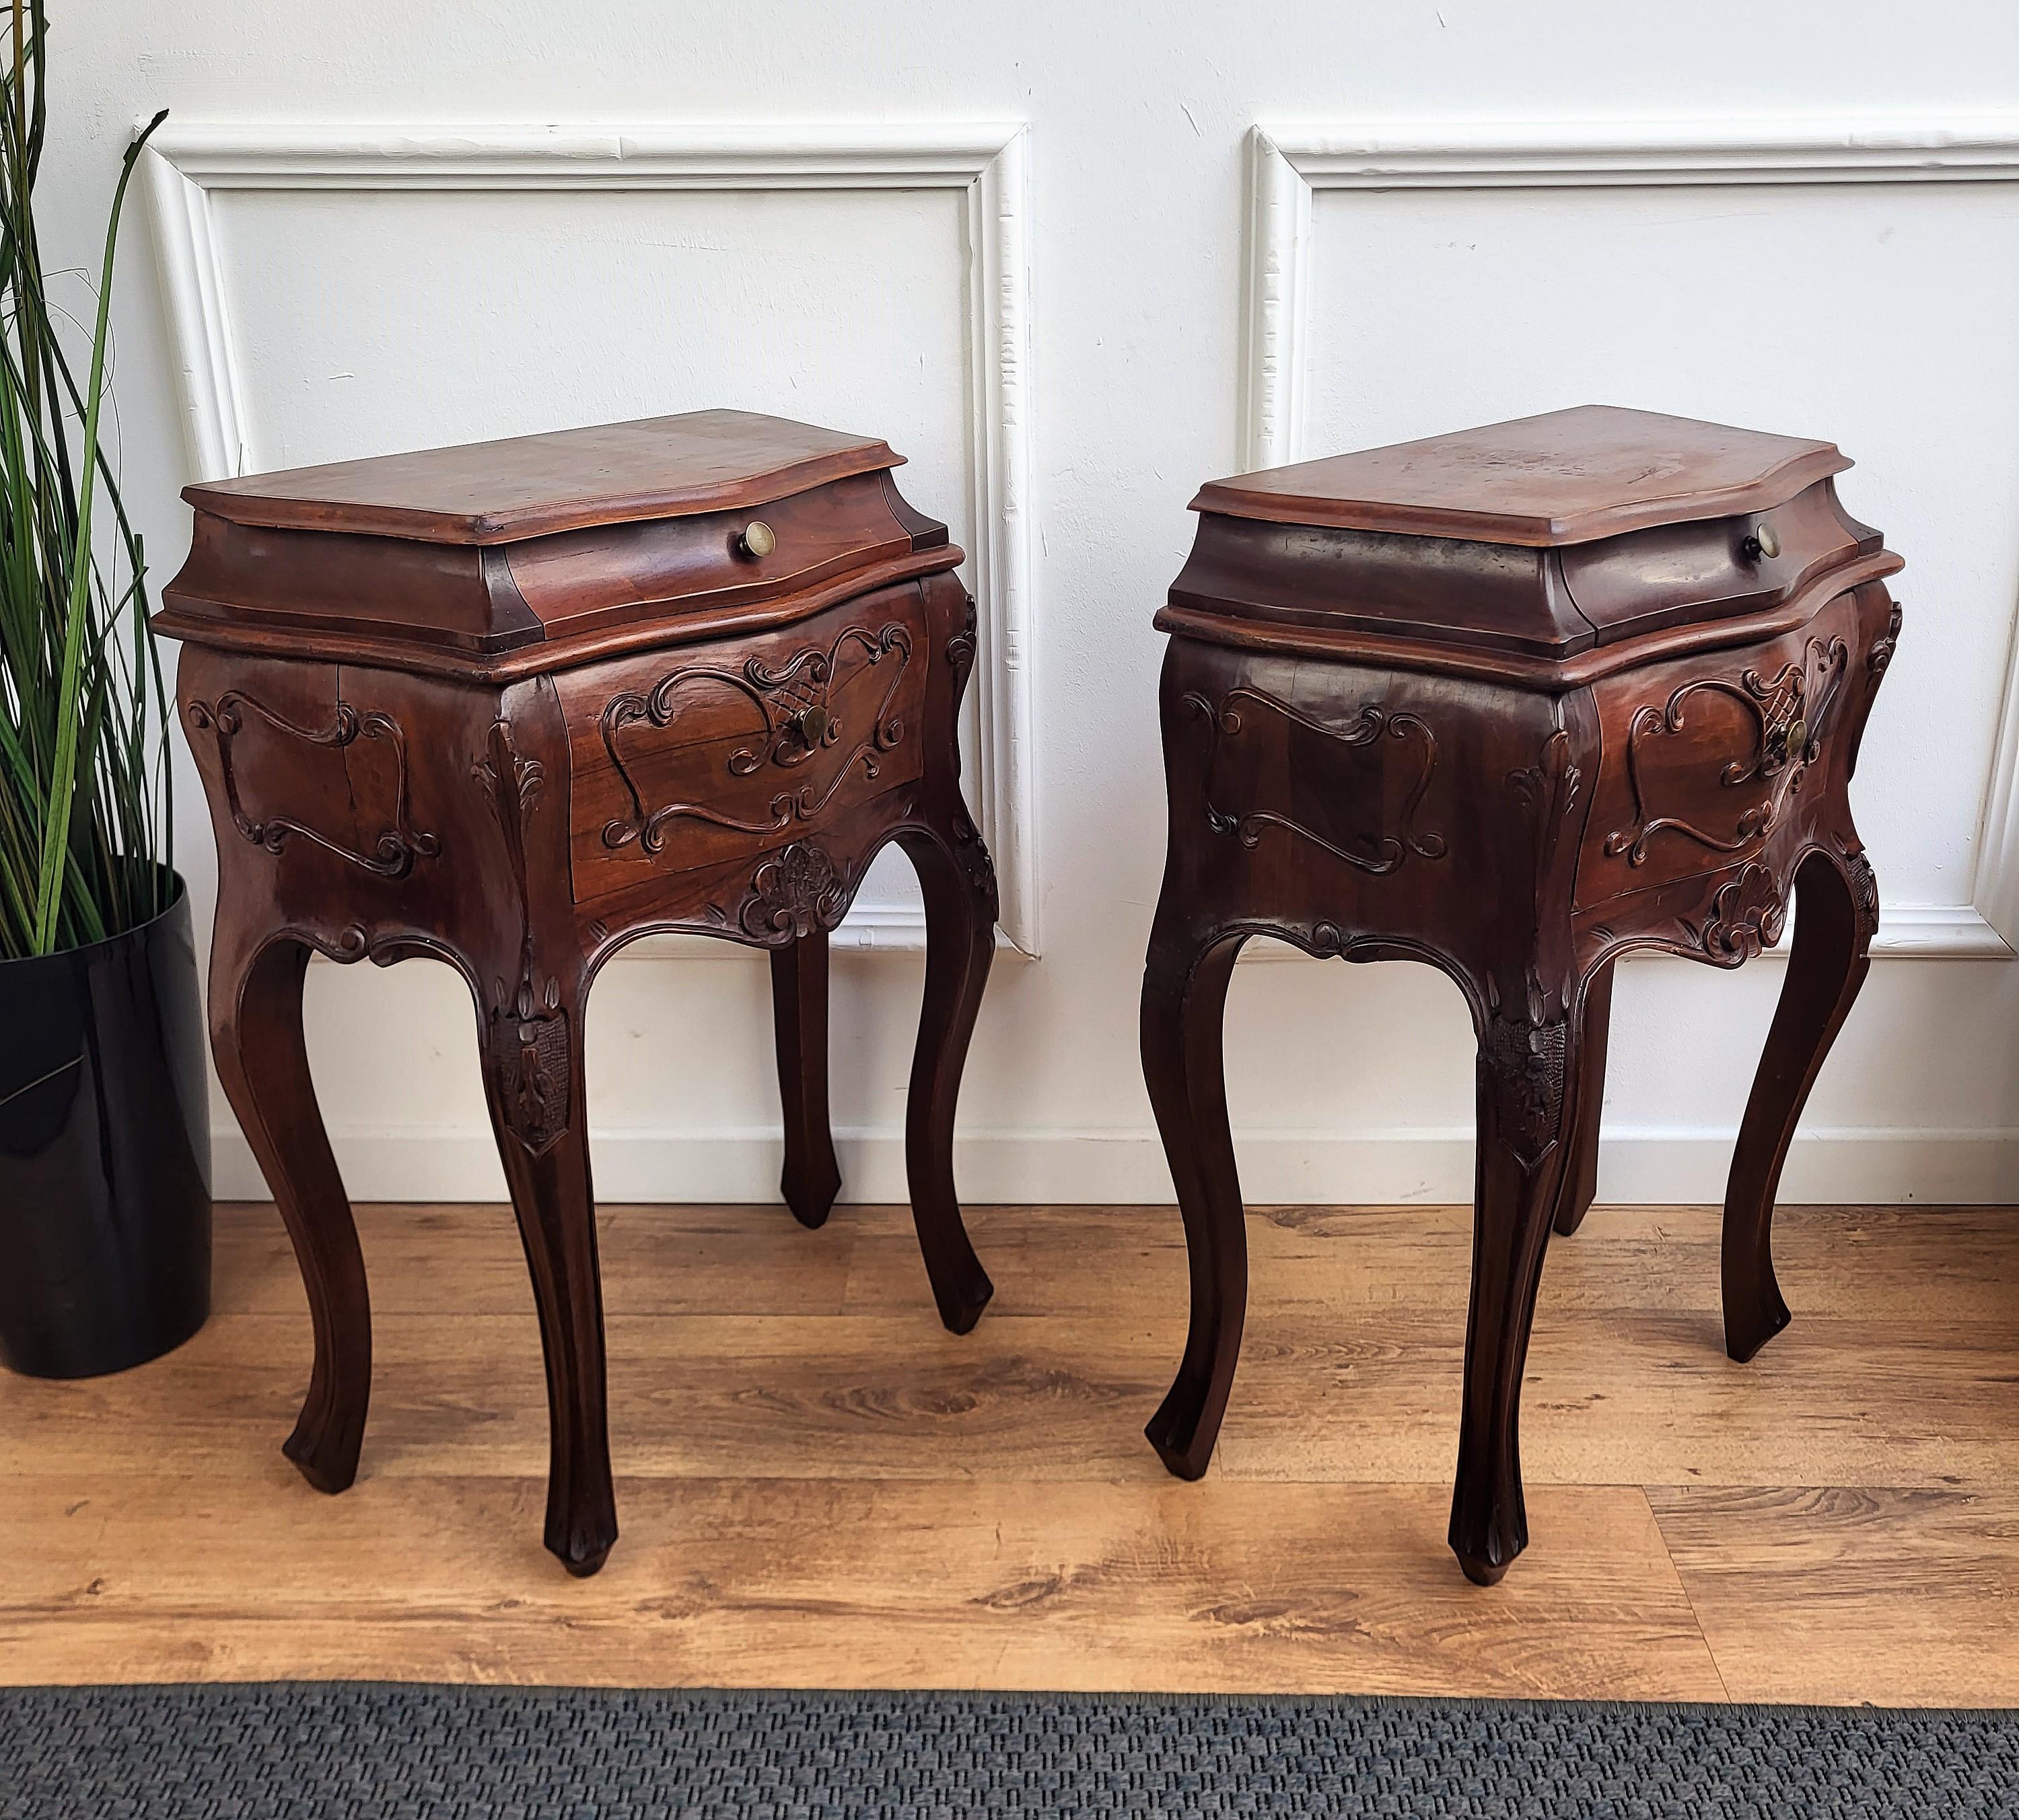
(819, 1487)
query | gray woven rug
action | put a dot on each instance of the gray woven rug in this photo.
(292, 1750)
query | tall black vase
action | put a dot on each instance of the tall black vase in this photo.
(105, 1153)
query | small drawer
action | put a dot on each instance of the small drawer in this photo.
(1705, 756)
(686, 759)
(578, 581)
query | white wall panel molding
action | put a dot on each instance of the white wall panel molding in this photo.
(1289, 163)
(188, 163)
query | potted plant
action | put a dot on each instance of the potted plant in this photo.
(104, 1146)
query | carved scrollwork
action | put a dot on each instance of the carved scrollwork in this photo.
(794, 710)
(1746, 915)
(394, 852)
(793, 893)
(961, 647)
(1881, 653)
(1524, 1050)
(1385, 852)
(349, 945)
(1789, 711)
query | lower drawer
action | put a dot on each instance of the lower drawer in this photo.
(687, 758)
(1705, 756)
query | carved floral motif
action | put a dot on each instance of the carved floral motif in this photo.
(971, 855)
(792, 894)
(1863, 889)
(1524, 1050)
(530, 1065)
(395, 850)
(1385, 852)
(1547, 791)
(511, 800)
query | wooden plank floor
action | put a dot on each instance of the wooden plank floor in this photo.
(817, 1486)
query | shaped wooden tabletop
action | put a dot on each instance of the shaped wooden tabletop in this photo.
(530, 486)
(1565, 477)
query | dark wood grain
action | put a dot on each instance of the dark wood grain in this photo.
(505, 491)
(1622, 715)
(521, 825)
(594, 543)
(1565, 477)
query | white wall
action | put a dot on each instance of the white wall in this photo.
(1879, 305)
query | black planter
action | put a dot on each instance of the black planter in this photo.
(105, 1153)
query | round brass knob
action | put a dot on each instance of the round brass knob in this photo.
(1798, 737)
(1764, 541)
(811, 725)
(756, 540)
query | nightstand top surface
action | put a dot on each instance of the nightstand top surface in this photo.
(494, 561)
(571, 479)
(1565, 477)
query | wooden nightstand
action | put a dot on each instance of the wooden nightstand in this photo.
(512, 704)
(1513, 702)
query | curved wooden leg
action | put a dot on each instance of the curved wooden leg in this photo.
(812, 1175)
(255, 1033)
(533, 1079)
(1528, 1079)
(1580, 1181)
(959, 886)
(1184, 1001)
(1835, 919)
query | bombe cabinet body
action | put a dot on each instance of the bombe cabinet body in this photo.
(1513, 703)
(510, 706)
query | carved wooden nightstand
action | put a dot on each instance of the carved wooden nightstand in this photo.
(512, 705)
(1514, 702)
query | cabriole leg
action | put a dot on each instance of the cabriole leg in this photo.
(812, 1176)
(959, 886)
(255, 1033)
(1837, 912)
(533, 1081)
(1184, 1001)
(1528, 1079)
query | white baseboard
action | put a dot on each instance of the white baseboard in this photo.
(1066, 1167)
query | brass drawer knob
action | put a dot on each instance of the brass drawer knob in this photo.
(756, 540)
(1763, 540)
